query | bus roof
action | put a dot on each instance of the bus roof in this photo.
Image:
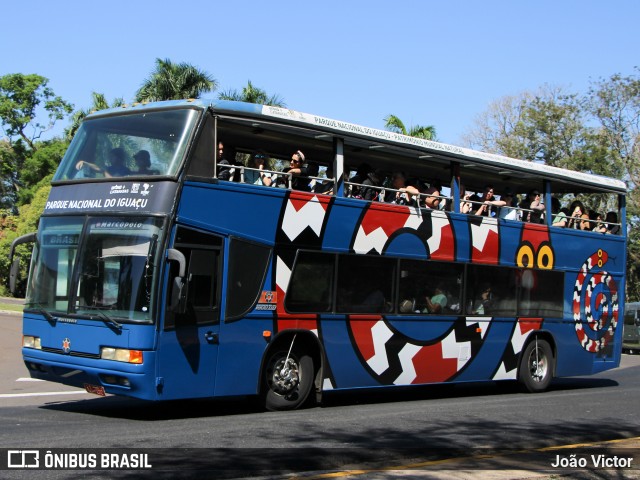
(425, 148)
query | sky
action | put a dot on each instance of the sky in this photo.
(428, 62)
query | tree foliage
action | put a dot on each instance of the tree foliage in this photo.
(99, 102)
(394, 124)
(252, 94)
(175, 81)
(20, 97)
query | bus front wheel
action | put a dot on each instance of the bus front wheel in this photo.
(288, 380)
(536, 366)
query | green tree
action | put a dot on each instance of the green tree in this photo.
(175, 81)
(20, 97)
(394, 124)
(99, 103)
(253, 94)
(24, 99)
(597, 133)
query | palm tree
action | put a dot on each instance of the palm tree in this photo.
(252, 94)
(99, 103)
(394, 124)
(175, 81)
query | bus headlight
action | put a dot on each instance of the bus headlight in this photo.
(29, 341)
(121, 355)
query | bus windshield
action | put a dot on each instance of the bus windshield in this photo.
(139, 144)
(98, 266)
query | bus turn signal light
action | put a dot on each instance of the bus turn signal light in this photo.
(121, 355)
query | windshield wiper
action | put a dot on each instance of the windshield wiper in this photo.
(108, 320)
(36, 307)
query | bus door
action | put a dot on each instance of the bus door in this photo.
(188, 347)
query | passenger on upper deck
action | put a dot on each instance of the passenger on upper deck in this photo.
(300, 173)
(432, 198)
(116, 168)
(533, 202)
(508, 210)
(143, 161)
(559, 217)
(404, 194)
(224, 171)
(362, 173)
(259, 176)
(465, 204)
(612, 223)
(576, 209)
(487, 198)
(327, 185)
(374, 179)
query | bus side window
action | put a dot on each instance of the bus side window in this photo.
(248, 264)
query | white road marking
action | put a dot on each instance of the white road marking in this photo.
(41, 394)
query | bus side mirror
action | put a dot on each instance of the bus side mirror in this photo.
(14, 270)
(178, 302)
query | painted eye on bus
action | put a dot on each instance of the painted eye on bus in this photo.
(525, 257)
(528, 258)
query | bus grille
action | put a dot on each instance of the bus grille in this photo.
(71, 354)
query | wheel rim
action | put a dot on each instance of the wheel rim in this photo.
(538, 365)
(285, 376)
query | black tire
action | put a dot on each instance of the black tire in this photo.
(536, 366)
(287, 389)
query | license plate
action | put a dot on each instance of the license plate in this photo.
(96, 389)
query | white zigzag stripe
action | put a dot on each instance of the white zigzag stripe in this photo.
(479, 233)
(295, 221)
(502, 374)
(438, 223)
(375, 240)
(406, 355)
(283, 274)
(453, 349)
(483, 323)
(381, 335)
(414, 220)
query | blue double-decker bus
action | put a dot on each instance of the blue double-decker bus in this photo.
(173, 261)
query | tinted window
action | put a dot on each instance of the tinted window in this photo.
(248, 263)
(365, 284)
(541, 293)
(311, 285)
(430, 287)
(491, 291)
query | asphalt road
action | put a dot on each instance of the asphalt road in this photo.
(437, 430)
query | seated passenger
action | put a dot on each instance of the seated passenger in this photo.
(143, 162)
(374, 179)
(508, 209)
(259, 176)
(484, 304)
(300, 174)
(432, 199)
(465, 205)
(326, 186)
(533, 202)
(559, 217)
(224, 171)
(437, 302)
(362, 173)
(576, 209)
(487, 198)
(404, 194)
(612, 223)
(116, 168)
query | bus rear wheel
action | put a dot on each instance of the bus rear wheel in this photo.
(536, 366)
(288, 380)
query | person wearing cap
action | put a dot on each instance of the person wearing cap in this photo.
(258, 176)
(143, 162)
